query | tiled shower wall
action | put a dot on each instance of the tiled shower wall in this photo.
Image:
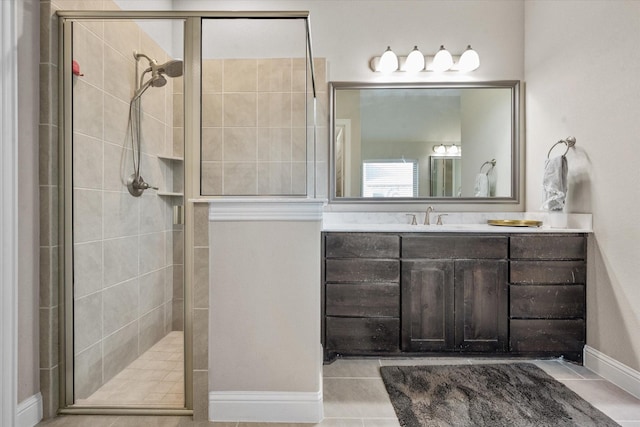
(254, 129)
(123, 245)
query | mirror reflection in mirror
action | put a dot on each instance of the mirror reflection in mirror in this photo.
(423, 141)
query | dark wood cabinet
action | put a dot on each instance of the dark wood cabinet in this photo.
(547, 306)
(416, 293)
(455, 304)
(427, 305)
(361, 293)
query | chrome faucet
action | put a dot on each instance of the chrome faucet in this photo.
(426, 215)
(439, 222)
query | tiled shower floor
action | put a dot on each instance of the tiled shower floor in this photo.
(155, 379)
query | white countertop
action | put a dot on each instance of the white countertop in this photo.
(455, 222)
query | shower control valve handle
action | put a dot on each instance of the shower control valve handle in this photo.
(136, 185)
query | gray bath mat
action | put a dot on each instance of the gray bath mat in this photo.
(509, 395)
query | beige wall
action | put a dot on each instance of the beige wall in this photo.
(265, 306)
(581, 75)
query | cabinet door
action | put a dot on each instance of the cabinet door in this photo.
(481, 305)
(427, 305)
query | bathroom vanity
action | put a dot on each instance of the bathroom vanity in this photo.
(485, 291)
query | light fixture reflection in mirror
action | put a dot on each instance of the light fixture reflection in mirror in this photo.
(388, 61)
(442, 61)
(393, 122)
(414, 61)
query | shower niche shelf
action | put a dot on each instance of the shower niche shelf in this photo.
(172, 158)
(169, 194)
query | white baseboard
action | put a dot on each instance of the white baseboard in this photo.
(610, 369)
(29, 411)
(275, 407)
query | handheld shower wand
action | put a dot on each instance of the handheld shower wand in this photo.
(172, 68)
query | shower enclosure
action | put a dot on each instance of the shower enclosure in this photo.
(159, 111)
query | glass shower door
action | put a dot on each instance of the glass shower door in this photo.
(127, 147)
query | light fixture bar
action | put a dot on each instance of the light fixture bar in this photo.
(416, 62)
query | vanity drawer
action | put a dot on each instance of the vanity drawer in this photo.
(547, 335)
(547, 301)
(464, 247)
(548, 247)
(363, 299)
(362, 270)
(354, 335)
(552, 272)
(366, 245)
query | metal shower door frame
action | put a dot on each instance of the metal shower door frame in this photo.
(192, 194)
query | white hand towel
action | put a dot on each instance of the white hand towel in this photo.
(481, 188)
(554, 183)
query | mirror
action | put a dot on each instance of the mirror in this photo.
(455, 142)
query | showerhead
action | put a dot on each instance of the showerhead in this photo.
(172, 68)
(158, 80)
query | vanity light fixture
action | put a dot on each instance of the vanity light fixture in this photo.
(416, 62)
(442, 61)
(388, 62)
(469, 60)
(447, 150)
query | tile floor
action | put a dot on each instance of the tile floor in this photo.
(354, 396)
(156, 379)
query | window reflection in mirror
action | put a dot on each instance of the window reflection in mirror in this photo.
(445, 131)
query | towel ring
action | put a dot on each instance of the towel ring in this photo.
(570, 141)
(491, 162)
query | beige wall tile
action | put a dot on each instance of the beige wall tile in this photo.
(240, 75)
(298, 74)
(117, 167)
(152, 253)
(200, 395)
(48, 154)
(49, 386)
(240, 178)
(200, 339)
(120, 259)
(123, 36)
(212, 75)
(120, 212)
(87, 167)
(240, 144)
(274, 178)
(299, 144)
(87, 109)
(201, 278)
(151, 328)
(48, 323)
(152, 135)
(120, 305)
(299, 178)
(178, 141)
(240, 109)
(48, 294)
(177, 312)
(87, 219)
(87, 268)
(87, 319)
(211, 178)
(152, 292)
(211, 144)
(178, 110)
(274, 109)
(119, 74)
(116, 116)
(298, 109)
(274, 75)
(274, 144)
(153, 211)
(88, 371)
(88, 52)
(211, 110)
(120, 349)
(201, 225)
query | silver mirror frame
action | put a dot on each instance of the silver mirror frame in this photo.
(516, 149)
